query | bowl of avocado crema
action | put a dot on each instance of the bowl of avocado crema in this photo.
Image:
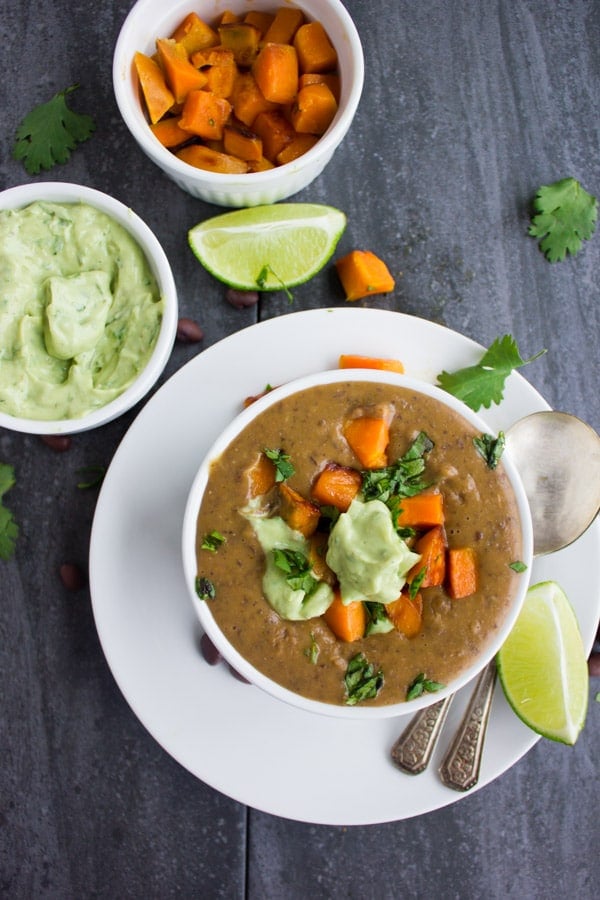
(88, 308)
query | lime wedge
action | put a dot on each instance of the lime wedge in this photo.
(542, 665)
(268, 248)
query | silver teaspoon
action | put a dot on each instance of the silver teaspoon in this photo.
(558, 458)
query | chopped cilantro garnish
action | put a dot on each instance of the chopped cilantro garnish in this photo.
(205, 588)
(402, 478)
(416, 583)
(313, 651)
(565, 216)
(297, 569)
(9, 530)
(517, 566)
(491, 448)
(422, 685)
(483, 384)
(261, 280)
(49, 132)
(212, 541)
(283, 467)
(361, 680)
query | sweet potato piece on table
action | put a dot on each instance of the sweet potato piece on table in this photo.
(368, 438)
(205, 115)
(347, 620)
(362, 274)
(275, 132)
(313, 109)
(406, 613)
(422, 511)
(315, 51)
(205, 158)
(298, 512)
(432, 548)
(355, 361)
(461, 572)
(336, 486)
(181, 76)
(276, 72)
(284, 26)
(157, 96)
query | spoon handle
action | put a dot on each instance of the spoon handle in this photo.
(412, 751)
(460, 767)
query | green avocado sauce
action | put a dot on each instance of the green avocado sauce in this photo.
(80, 310)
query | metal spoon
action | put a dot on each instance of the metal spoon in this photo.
(558, 458)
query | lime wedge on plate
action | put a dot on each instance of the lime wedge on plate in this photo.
(542, 665)
(268, 248)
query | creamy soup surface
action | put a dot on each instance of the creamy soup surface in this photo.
(480, 512)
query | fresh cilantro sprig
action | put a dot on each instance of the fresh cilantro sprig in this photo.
(565, 216)
(361, 680)
(212, 541)
(297, 569)
(491, 448)
(283, 467)
(483, 384)
(205, 588)
(422, 685)
(263, 276)
(9, 530)
(403, 478)
(49, 132)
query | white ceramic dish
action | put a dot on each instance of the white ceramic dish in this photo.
(204, 610)
(151, 19)
(231, 735)
(58, 192)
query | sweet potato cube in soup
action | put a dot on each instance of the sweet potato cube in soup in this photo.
(275, 132)
(194, 34)
(300, 145)
(422, 511)
(157, 96)
(315, 51)
(248, 100)
(406, 614)
(362, 274)
(241, 141)
(368, 438)
(348, 621)
(261, 20)
(205, 115)
(297, 512)
(432, 548)
(181, 76)
(329, 78)
(461, 572)
(276, 72)
(260, 476)
(169, 133)
(211, 160)
(337, 486)
(242, 39)
(313, 110)
(284, 26)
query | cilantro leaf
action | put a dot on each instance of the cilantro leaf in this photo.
(402, 478)
(9, 530)
(49, 132)
(361, 680)
(212, 541)
(297, 568)
(491, 448)
(422, 685)
(205, 588)
(483, 384)
(566, 215)
(281, 461)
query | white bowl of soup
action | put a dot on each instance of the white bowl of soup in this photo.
(89, 311)
(348, 547)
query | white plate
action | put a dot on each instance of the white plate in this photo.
(231, 735)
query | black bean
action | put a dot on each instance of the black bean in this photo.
(237, 675)
(594, 665)
(57, 442)
(72, 577)
(209, 651)
(241, 299)
(188, 331)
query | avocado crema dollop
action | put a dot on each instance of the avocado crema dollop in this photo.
(80, 310)
(365, 553)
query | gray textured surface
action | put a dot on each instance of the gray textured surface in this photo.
(468, 107)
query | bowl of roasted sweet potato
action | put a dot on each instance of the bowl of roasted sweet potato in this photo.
(241, 104)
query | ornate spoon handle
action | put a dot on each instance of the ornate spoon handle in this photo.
(460, 767)
(412, 751)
